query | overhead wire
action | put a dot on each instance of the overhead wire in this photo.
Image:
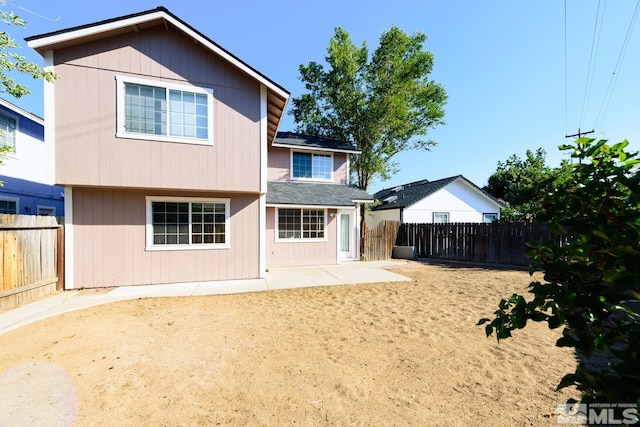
(593, 56)
(604, 107)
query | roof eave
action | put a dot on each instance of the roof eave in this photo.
(302, 147)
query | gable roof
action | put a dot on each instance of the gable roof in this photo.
(406, 195)
(277, 96)
(298, 140)
(17, 110)
(314, 194)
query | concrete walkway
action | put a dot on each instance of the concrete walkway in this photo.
(277, 278)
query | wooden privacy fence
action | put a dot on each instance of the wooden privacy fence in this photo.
(31, 258)
(378, 241)
(494, 243)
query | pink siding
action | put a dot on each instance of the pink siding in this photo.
(291, 254)
(279, 165)
(87, 151)
(109, 242)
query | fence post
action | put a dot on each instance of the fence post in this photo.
(60, 258)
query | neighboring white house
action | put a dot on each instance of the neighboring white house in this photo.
(27, 172)
(453, 199)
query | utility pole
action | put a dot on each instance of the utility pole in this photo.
(579, 134)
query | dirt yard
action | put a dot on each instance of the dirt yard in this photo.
(388, 354)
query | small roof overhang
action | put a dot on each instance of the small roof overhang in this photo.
(309, 142)
(292, 193)
(277, 96)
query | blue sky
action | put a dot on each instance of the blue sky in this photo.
(502, 62)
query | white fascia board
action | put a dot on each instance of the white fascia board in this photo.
(92, 30)
(280, 205)
(301, 147)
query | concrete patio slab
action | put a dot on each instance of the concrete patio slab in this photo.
(278, 278)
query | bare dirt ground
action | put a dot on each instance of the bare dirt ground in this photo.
(388, 354)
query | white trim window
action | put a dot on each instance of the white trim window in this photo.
(187, 223)
(489, 217)
(311, 166)
(160, 111)
(9, 205)
(301, 224)
(8, 126)
(440, 217)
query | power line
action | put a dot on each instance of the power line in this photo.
(616, 70)
(592, 60)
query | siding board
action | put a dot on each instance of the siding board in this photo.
(109, 237)
(89, 154)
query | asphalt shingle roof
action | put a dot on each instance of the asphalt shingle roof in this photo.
(408, 194)
(291, 139)
(314, 194)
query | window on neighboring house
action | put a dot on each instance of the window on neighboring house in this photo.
(46, 210)
(301, 223)
(164, 112)
(489, 217)
(8, 206)
(7, 132)
(440, 217)
(312, 166)
(179, 223)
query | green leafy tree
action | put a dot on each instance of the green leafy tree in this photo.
(383, 103)
(523, 182)
(11, 62)
(591, 285)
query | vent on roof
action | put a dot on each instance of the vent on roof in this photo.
(398, 188)
(390, 199)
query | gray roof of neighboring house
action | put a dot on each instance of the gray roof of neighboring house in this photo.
(298, 140)
(314, 194)
(408, 194)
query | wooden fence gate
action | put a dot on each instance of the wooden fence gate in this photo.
(31, 258)
(378, 242)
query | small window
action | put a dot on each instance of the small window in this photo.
(8, 206)
(312, 166)
(440, 217)
(7, 132)
(164, 112)
(489, 217)
(47, 210)
(178, 223)
(304, 224)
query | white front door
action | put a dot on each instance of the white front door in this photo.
(346, 234)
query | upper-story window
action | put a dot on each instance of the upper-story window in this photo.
(158, 111)
(7, 132)
(311, 166)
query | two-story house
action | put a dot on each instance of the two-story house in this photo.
(167, 146)
(25, 187)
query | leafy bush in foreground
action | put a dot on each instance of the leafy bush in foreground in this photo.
(592, 284)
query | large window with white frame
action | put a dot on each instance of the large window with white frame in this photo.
(301, 224)
(187, 223)
(315, 166)
(7, 132)
(160, 111)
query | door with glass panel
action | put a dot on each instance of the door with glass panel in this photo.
(346, 235)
